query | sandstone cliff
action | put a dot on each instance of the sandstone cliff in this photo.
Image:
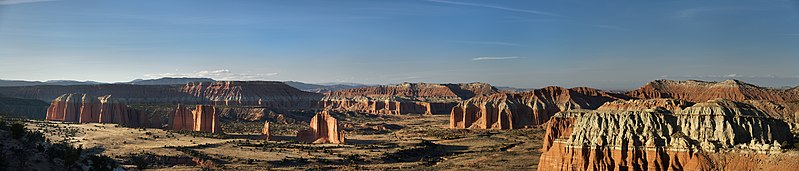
(324, 129)
(270, 94)
(89, 109)
(423, 98)
(645, 104)
(704, 136)
(699, 91)
(518, 110)
(203, 118)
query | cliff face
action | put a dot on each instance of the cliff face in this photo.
(203, 118)
(252, 93)
(704, 136)
(84, 108)
(270, 94)
(324, 129)
(404, 98)
(518, 110)
(700, 91)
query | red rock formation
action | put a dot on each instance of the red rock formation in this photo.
(182, 119)
(324, 129)
(700, 91)
(421, 98)
(270, 94)
(715, 135)
(87, 109)
(205, 119)
(518, 110)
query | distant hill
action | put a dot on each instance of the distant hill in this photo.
(322, 88)
(168, 81)
(511, 89)
(11, 83)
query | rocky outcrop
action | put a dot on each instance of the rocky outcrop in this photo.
(324, 129)
(182, 119)
(527, 109)
(701, 137)
(204, 118)
(700, 91)
(84, 108)
(421, 98)
(271, 94)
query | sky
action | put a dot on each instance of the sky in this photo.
(525, 44)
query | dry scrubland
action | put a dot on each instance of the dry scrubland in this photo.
(374, 142)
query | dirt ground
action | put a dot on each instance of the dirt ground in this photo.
(388, 142)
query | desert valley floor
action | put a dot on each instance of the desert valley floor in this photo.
(386, 142)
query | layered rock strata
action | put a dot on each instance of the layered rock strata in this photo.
(84, 108)
(324, 129)
(700, 91)
(527, 109)
(421, 98)
(701, 137)
(204, 118)
(276, 95)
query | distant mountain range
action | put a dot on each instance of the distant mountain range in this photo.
(316, 88)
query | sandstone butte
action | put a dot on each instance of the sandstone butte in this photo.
(508, 110)
(84, 108)
(324, 129)
(422, 98)
(271, 94)
(713, 135)
(204, 118)
(777, 103)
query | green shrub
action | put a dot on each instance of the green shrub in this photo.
(17, 130)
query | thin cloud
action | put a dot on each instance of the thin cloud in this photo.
(612, 27)
(222, 74)
(495, 58)
(497, 7)
(695, 12)
(491, 43)
(14, 2)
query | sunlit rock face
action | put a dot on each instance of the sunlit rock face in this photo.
(420, 98)
(777, 103)
(508, 110)
(324, 129)
(204, 118)
(84, 108)
(704, 136)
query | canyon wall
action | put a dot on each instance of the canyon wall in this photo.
(324, 129)
(714, 135)
(271, 94)
(85, 108)
(508, 110)
(204, 118)
(777, 103)
(421, 98)
(29, 108)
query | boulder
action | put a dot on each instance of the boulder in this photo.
(265, 130)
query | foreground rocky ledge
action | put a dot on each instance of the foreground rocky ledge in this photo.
(714, 135)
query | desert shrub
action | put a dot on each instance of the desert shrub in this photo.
(17, 130)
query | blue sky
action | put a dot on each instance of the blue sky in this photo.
(605, 44)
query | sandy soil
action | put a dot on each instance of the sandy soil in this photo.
(422, 143)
